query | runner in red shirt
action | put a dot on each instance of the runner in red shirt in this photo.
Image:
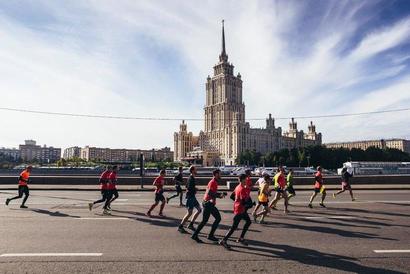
(239, 211)
(211, 194)
(104, 178)
(159, 193)
(24, 178)
(111, 189)
(319, 188)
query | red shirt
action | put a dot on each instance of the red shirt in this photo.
(104, 179)
(213, 188)
(241, 194)
(25, 175)
(112, 181)
(159, 184)
(318, 179)
(281, 181)
(249, 185)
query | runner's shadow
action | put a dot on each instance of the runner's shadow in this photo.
(308, 257)
(329, 230)
(53, 213)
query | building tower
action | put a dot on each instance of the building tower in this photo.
(224, 109)
(183, 142)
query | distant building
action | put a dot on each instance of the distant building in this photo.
(227, 134)
(400, 144)
(30, 151)
(124, 155)
(10, 153)
(72, 152)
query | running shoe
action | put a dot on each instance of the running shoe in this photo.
(242, 242)
(148, 214)
(353, 199)
(191, 227)
(106, 212)
(334, 195)
(310, 205)
(90, 206)
(182, 230)
(161, 215)
(23, 206)
(196, 239)
(167, 200)
(109, 207)
(224, 244)
(322, 204)
(213, 238)
(181, 205)
(7, 201)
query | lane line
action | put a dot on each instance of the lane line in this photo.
(102, 218)
(392, 251)
(51, 255)
(330, 217)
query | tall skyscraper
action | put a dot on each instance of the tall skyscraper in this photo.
(226, 133)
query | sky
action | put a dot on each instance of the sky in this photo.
(152, 58)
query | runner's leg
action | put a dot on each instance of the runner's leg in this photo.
(26, 194)
(20, 194)
(215, 213)
(205, 218)
(236, 219)
(246, 226)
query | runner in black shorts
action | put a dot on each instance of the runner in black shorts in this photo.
(345, 184)
(159, 194)
(178, 181)
(191, 202)
(209, 204)
(23, 187)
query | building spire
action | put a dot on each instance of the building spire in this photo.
(223, 57)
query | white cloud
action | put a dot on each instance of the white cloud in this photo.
(105, 58)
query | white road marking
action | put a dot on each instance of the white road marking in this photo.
(51, 255)
(102, 218)
(392, 251)
(330, 217)
(121, 200)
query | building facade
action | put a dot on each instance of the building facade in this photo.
(124, 155)
(30, 151)
(72, 152)
(12, 154)
(400, 144)
(226, 132)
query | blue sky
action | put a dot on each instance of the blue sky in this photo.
(151, 58)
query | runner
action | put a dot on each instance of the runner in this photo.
(191, 202)
(280, 188)
(319, 188)
(159, 194)
(289, 185)
(111, 190)
(345, 184)
(209, 204)
(179, 179)
(239, 211)
(103, 186)
(263, 199)
(24, 179)
(248, 188)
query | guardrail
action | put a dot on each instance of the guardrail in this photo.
(136, 180)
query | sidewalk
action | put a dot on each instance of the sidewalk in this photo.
(201, 188)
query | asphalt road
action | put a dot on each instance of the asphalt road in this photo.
(339, 239)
